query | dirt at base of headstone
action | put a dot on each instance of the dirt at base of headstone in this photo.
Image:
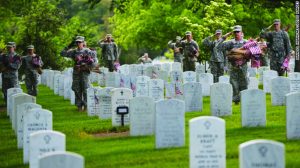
(111, 134)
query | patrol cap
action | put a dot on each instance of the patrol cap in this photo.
(11, 44)
(218, 31)
(30, 47)
(237, 28)
(188, 33)
(108, 35)
(79, 38)
(276, 21)
(178, 38)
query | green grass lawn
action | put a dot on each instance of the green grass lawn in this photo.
(125, 151)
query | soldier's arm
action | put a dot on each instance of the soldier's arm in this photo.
(16, 64)
(67, 53)
(265, 33)
(207, 42)
(225, 45)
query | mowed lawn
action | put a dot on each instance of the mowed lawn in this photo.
(121, 150)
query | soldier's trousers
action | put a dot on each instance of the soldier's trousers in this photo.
(239, 81)
(8, 83)
(217, 69)
(31, 82)
(79, 86)
(188, 65)
(110, 65)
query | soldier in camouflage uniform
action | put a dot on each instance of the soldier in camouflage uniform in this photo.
(11, 62)
(145, 59)
(217, 59)
(190, 52)
(33, 64)
(109, 51)
(84, 62)
(177, 49)
(279, 46)
(238, 68)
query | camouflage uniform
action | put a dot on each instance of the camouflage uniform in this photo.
(81, 72)
(190, 52)
(11, 63)
(176, 47)
(31, 73)
(217, 59)
(278, 49)
(109, 53)
(238, 72)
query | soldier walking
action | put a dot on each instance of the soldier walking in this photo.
(238, 68)
(217, 60)
(84, 63)
(33, 64)
(279, 47)
(190, 52)
(11, 63)
(109, 51)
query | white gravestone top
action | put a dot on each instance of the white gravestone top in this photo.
(189, 76)
(268, 75)
(42, 142)
(280, 86)
(193, 96)
(22, 109)
(156, 89)
(34, 120)
(293, 115)
(262, 153)
(61, 159)
(93, 103)
(142, 86)
(206, 80)
(295, 81)
(105, 103)
(142, 115)
(169, 128)
(10, 92)
(120, 101)
(207, 142)
(253, 107)
(221, 99)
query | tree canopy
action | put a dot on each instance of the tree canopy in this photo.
(137, 25)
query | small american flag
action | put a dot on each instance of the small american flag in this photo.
(253, 47)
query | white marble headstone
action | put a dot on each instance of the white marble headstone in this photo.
(192, 96)
(10, 92)
(169, 123)
(166, 67)
(42, 142)
(163, 75)
(34, 120)
(93, 103)
(56, 83)
(67, 87)
(170, 90)
(253, 107)
(142, 86)
(206, 80)
(176, 66)
(280, 86)
(293, 115)
(142, 115)
(120, 99)
(295, 81)
(61, 85)
(152, 72)
(22, 109)
(268, 75)
(156, 89)
(18, 99)
(260, 73)
(221, 99)
(253, 83)
(262, 153)
(176, 76)
(207, 142)
(224, 79)
(112, 79)
(189, 76)
(61, 159)
(105, 103)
